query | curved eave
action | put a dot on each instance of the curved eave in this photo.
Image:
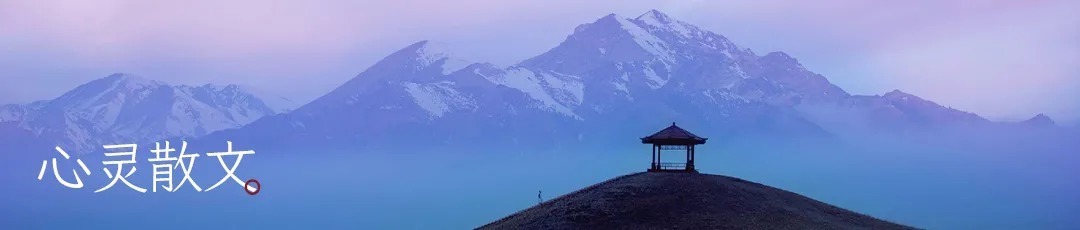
(674, 141)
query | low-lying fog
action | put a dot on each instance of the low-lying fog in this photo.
(1019, 181)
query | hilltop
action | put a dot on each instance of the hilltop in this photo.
(663, 200)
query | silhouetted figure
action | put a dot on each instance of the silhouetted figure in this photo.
(539, 198)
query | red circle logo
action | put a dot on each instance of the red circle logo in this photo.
(252, 190)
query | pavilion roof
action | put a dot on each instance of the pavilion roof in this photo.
(673, 135)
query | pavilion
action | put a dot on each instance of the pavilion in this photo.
(673, 138)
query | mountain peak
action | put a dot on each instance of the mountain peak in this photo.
(107, 87)
(275, 102)
(607, 21)
(781, 58)
(129, 79)
(427, 53)
(655, 17)
(656, 21)
(217, 87)
(779, 55)
(430, 49)
(903, 97)
(121, 76)
(1040, 120)
(896, 93)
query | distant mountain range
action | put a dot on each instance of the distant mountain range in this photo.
(613, 78)
(124, 108)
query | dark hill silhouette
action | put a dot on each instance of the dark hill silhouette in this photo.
(665, 200)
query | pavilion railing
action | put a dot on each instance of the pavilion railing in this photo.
(672, 166)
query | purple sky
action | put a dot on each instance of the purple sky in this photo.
(1006, 60)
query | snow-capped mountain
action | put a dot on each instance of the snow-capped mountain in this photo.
(124, 108)
(646, 71)
(426, 93)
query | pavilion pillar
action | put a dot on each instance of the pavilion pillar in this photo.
(690, 161)
(653, 166)
(691, 153)
(659, 152)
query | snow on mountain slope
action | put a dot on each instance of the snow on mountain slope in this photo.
(15, 112)
(423, 62)
(646, 54)
(433, 53)
(124, 108)
(549, 91)
(438, 98)
(275, 102)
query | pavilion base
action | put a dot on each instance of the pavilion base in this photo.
(673, 167)
(690, 170)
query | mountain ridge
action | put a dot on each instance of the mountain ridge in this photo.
(125, 108)
(606, 74)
